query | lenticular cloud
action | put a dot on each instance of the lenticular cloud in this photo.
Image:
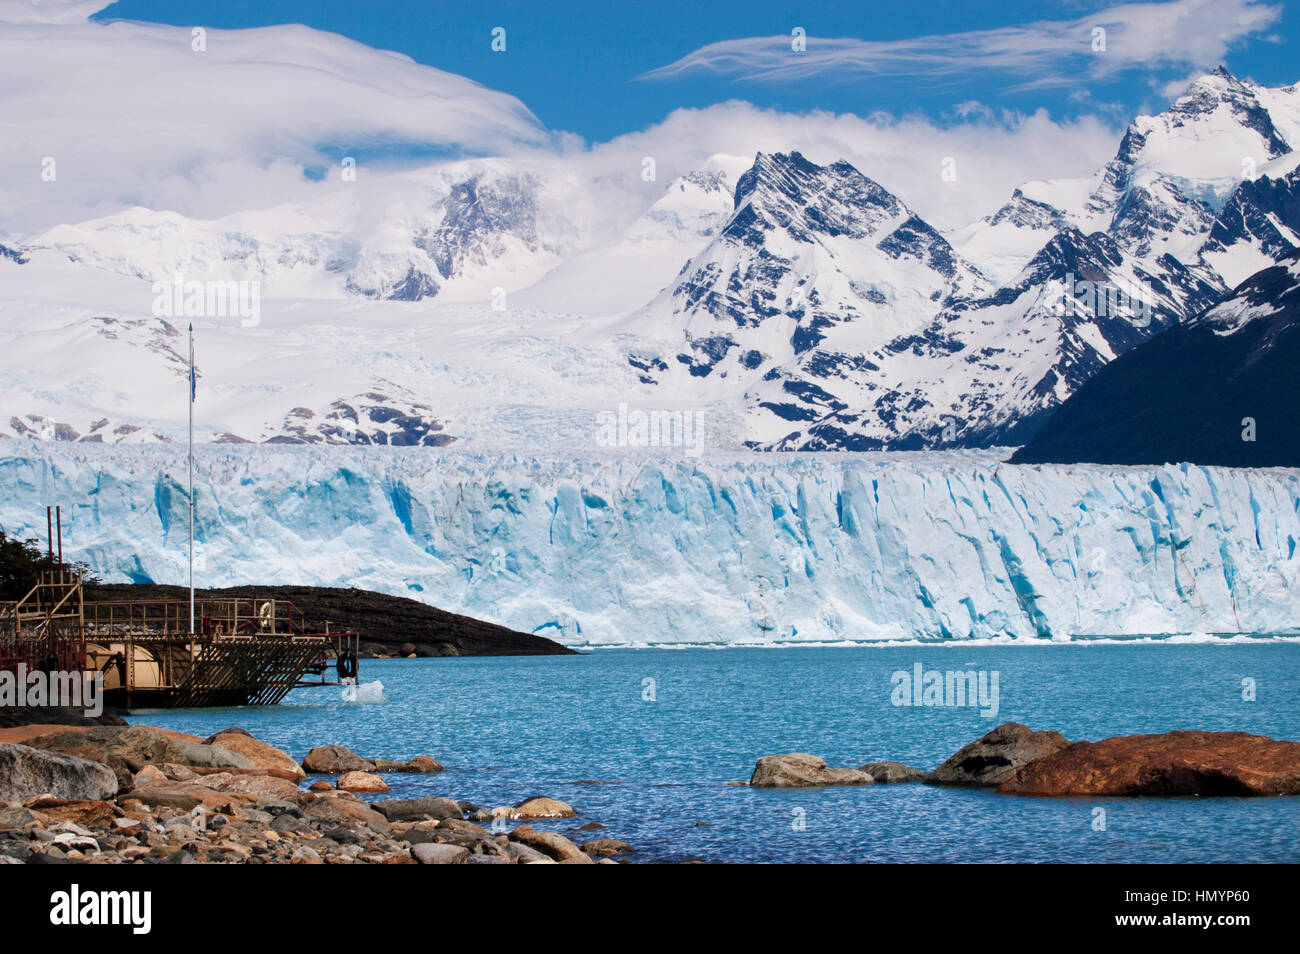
(130, 112)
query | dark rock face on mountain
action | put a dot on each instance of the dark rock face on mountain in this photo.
(485, 219)
(1217, 390)
(1221, 89)
(1263, 213)
(387, 624)
(373, 417)
(477, 216)
(413, 284)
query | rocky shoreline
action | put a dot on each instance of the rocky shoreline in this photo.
(119, 794)
(136, 794)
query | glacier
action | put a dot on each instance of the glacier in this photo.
(640, 550)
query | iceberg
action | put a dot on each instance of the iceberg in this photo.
(651, 550)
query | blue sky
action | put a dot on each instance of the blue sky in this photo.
(581, 67)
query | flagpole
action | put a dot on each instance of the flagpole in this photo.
(191, 463)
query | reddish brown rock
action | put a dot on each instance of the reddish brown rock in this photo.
(540, 807)
(334, 807)
(85, 812)
(124, 749)
(550, 843)
(258, 786)
(420, 765)
(184, 796)
(606, 847)
(1172, 763)
(335, 760)
(266, 758)
(361, 782)
(192, 772)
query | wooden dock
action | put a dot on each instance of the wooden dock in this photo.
(234, 652)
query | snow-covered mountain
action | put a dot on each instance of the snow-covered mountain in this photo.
(985, 371)
(816, 267)
(1169, 179)
(798, 304)
(748, 549)
(1258, 225)
(1217, 389)
(1195, 200)
(808, 248)
(457, 231)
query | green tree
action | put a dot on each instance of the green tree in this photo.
(21, 562)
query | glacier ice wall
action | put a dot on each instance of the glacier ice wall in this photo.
(764, 549)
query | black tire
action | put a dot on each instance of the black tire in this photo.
(347, 665)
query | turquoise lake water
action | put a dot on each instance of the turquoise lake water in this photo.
(662, 752)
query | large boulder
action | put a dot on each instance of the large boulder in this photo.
(533, 808)
(346, 811)
(185, 796)
(521, 854)
(361, 782)
(335, 760)
(550, 843)
(1171, 763)
(993, 759)
(262, 756)
(246, 783)
(26, 772)
(414, 809)
(893, 773)
(800, 770)
(436, 854)
(339, 759)
(124, 749)
(202, 755)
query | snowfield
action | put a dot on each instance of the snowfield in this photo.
(651, 549)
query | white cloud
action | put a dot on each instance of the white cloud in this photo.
(993, 154)
(50, 11)
(131, 113)
(1178, 35)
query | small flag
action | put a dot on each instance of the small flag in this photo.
(194, 382)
